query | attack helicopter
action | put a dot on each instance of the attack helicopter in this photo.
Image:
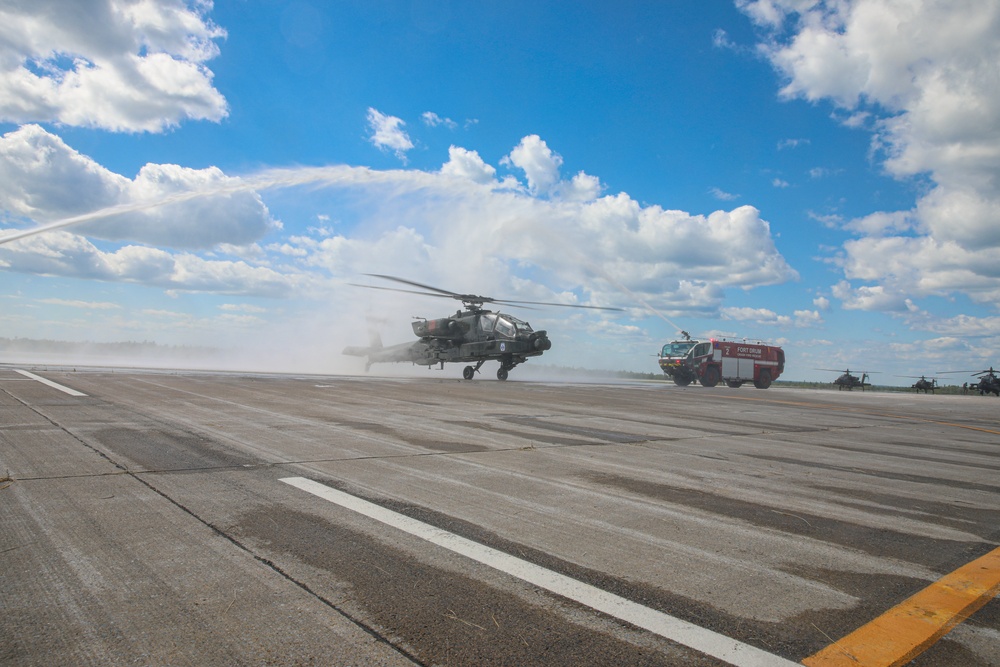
(988, 382)
(848, 380)
(922, 384)
(473, 335)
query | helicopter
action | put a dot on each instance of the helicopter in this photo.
(988, 383)
(848, 380)
(922, 384)
(473, 335)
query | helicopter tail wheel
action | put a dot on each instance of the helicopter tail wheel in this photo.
(763, 380)
(502, 373)
(468, 372)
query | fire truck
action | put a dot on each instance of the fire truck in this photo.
(712, 361)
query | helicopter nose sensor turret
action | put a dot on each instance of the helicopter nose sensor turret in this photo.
(540, 341)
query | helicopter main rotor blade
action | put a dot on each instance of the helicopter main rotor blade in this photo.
(551, 303)
(989, 370)
(404, 291)
(475, 298)
(440, 291)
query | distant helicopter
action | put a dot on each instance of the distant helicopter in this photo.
(923, 384)
(473, 335)
(848, 380)
(988, 383)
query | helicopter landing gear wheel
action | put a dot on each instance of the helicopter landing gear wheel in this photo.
(468, 372)
(502, 373)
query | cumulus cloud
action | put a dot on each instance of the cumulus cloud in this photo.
(65, 254)
(431, 119)
(869, 297)
(387, 133)
(920, 75)
(766, 316)
(467, 164)
(108, 64)
(538, 162)
(459, 228)
(44, 180)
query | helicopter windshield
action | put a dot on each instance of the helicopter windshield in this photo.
(677, 349)
(505, 327)
(522, 326)
(486, 321)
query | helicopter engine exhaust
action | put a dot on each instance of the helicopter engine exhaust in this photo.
(445, 327)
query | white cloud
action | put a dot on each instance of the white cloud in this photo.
(822, 303)
(766, 316)
(881, 223)
(431, 119)
(921, 76)
(723, 195)
(43, 179)
(721, 40)
(241, 308)
(868, 297)
(458, 228)
(85, 305)
(64, 254)
(583, 187)
(792, 143)
(387, 133)
(108, 64)
(539, 163)
(467, 164)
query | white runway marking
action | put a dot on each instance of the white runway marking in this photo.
(690, 635)
(55, 385)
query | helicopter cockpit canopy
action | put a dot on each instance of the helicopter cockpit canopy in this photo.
(505, 326)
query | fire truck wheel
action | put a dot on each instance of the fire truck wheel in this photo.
(682, 380)
(711, 377)
(763, 381)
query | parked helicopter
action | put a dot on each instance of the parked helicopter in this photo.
(922, 384)
(988, 383)
(473, 335)
(848, 380)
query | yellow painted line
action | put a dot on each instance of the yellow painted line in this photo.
(911, 627)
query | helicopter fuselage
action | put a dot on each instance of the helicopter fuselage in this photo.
(472, 336)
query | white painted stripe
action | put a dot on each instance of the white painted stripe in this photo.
(71, 392)
(674, 629)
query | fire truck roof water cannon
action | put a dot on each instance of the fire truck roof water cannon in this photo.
(712, 361)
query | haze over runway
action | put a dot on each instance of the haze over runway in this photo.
(218, 519)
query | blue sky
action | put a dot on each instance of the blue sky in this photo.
(821, 175)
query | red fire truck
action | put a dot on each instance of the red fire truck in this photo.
(733, 362)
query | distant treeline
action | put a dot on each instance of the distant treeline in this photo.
(630, 375)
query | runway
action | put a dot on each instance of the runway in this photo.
(181, 518)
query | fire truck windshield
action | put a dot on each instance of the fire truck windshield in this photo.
(677, 348)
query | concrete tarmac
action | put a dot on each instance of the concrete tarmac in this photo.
(146, 521)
